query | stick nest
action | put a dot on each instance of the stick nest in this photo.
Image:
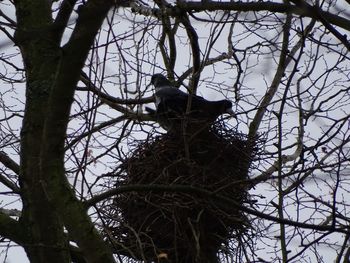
(184, 226)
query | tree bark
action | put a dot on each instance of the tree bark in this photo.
(49, 203)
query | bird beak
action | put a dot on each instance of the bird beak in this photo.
(230, 111)
(149, 84)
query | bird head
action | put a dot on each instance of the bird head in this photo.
(227, 108)
(158, 80)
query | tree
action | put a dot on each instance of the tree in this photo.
(85, 66)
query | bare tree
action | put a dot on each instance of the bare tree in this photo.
(74, 83)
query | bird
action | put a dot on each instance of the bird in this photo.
(171, 104)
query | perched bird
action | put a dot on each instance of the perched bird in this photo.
(172, 103)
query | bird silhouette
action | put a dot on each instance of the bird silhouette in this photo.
(171, 105)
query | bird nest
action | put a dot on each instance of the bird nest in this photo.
(176, 213)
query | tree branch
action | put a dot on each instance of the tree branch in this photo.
(62, 17)
(196, 54)
(260, 6)
(91, 87)
(114, 102)
(285, 59)
(316, 11)
(9, 163)
(273, 7)
(12, 165)
(11, 229)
